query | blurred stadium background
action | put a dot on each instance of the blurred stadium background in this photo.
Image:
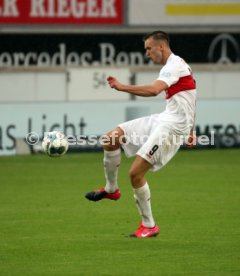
(55, 56)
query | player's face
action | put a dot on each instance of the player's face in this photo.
(154, 50)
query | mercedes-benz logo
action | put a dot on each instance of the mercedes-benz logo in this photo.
(227, 42)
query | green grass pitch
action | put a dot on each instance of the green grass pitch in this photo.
(47, 227)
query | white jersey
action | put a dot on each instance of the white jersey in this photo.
(181, 94)
(177, 119)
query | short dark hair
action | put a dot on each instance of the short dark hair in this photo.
(157, 35)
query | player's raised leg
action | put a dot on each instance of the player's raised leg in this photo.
(142, 196)
(111, 161)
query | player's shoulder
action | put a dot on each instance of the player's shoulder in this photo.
(175, 59)
(178, 63)
(175, 66)
(172, 64)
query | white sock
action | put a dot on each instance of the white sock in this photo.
(111, 163)
(142, 196)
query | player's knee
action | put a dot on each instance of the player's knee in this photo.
(135, 176)
(111, 141)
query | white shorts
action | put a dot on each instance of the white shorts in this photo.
(152, 138)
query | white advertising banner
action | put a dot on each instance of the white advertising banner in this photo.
(184, 12)
(96, 118)
(72, 84)
(91, 84)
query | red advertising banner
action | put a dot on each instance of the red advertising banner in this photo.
(61, 12)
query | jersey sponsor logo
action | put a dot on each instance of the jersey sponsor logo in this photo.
(183, 84)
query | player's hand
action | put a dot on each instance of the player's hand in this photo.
(114, 83)
(191, 141)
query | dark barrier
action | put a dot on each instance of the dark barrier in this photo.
(111, 49)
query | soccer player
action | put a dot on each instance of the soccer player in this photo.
(161, 130)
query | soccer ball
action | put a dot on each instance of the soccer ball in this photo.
(55, 144)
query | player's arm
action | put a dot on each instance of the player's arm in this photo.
(147, 90)
(192, 139)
